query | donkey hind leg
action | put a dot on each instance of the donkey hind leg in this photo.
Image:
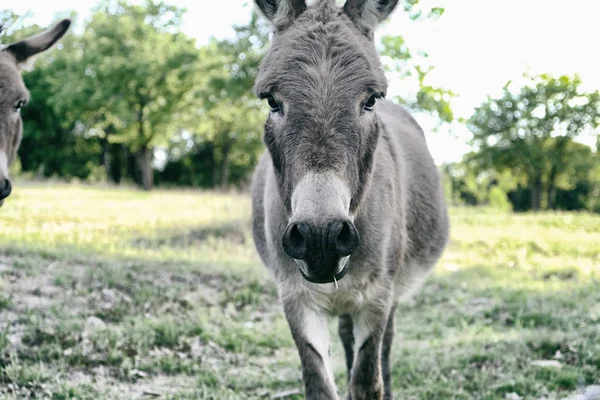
(345, 330)
(310, 332)
(366, 382)
(386, 349)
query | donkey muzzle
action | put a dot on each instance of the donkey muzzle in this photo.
(5, 189)
(321, 251)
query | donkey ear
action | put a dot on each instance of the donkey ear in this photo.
(281, 12)
(25, 50)
(367, 14)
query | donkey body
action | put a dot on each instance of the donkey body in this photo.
(348, 210)
(14, 95)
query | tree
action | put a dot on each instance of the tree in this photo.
(134, 78)
(404, 63)
(228, 123)
(530, 130)
(106, 100)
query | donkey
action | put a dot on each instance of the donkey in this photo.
(348, 211)
(15, 58)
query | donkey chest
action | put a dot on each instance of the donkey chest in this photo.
(349, 297)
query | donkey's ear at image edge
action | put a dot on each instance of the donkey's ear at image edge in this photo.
(367, 14)
(281, 12)
(26, 50)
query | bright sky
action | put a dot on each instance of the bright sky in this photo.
(476, 46)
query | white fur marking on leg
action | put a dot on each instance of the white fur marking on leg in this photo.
(317, 333)
(361, 332)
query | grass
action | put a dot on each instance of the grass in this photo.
(118, 294)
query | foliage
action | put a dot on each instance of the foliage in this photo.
(131, 86)
(227, 128)
(133, 79)
(531, 131)
(404, 63)
(399, 61)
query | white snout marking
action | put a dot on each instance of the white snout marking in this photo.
(322, 195)
(3, 166)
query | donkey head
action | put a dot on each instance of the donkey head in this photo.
(14, 95)
(322, 78)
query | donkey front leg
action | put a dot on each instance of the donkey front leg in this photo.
(388, 338)
(366, 381)
(310, 332)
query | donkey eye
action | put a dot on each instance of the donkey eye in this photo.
(370, 104)
(19, 105)
(275, 107)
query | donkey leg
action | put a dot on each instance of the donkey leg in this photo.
(345, 328)
(310, 332)
(386, 349)
(366, 382)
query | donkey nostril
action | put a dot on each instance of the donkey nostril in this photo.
(294, 240)
(347, 240)
(345, 233)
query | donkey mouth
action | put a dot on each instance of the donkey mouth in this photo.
(326, 278)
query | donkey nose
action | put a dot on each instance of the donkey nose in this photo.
(5, 189)
(304, 240)
(346, 240)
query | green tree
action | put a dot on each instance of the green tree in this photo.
(228, 124)
(134, 77)
(405, 63)
(530, 132)
(400, 60)
(106, 99)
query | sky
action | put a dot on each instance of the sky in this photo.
(476, 47)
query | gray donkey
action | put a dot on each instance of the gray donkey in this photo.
(14, 95)
(348, 210)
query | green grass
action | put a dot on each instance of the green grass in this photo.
(113, 293)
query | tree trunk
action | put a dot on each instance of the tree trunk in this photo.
(106, 156)
(222, 162)
(535, 187)
(558, 163)
(117, 154)
(551, 196)
(215, 175)
(144, 156)
(224, 168)
(131, 167)
(144, 161)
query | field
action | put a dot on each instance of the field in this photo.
(118, 294)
